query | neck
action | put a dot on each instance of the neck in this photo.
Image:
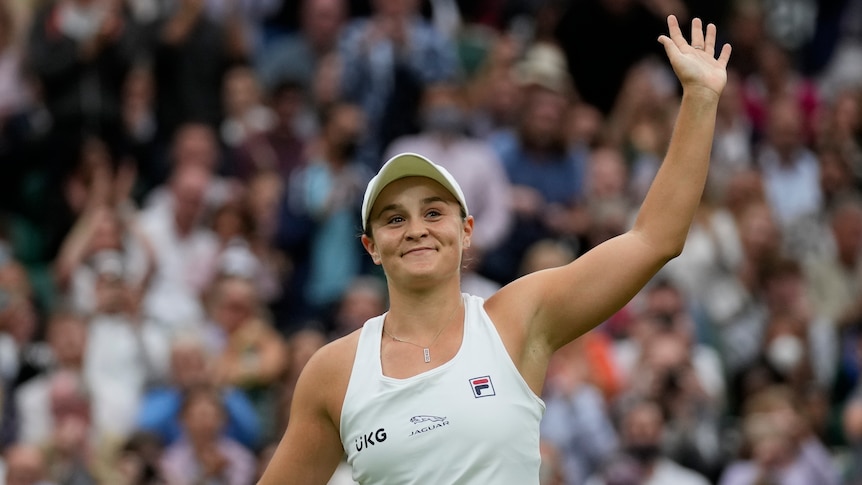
(419, 317)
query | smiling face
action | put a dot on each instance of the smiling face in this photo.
(417, 231)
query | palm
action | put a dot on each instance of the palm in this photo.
(696, 67)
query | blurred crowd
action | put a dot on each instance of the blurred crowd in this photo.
(180, 183)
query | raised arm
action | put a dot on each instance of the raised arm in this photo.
(558, 305)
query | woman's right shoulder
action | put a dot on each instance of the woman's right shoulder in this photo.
(335, 359)
(331, 365)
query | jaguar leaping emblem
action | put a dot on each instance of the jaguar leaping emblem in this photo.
(424, 417)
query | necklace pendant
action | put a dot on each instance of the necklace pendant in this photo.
(427, 353)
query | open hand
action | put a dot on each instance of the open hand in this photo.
(695, 64)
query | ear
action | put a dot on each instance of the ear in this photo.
(371, 248)
(468, 231)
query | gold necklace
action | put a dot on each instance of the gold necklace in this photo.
(426, 349)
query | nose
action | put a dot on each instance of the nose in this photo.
(416, 229)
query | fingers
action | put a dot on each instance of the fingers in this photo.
(674, 31)
(697, 40)
(724, 57)
(700, 39)
(709, 42)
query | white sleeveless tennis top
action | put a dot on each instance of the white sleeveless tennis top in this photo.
(473, 420)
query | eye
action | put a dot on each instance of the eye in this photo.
(395, 220)
(433, 213)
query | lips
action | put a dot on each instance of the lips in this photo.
(417, 251)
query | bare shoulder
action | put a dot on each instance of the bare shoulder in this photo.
(332, 364)
(515, 303)
(335, 359)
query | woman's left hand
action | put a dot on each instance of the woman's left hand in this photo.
(695, 63)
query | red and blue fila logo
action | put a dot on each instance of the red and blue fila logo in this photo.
(482, 386)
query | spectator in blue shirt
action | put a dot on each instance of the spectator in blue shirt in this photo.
(160, 407)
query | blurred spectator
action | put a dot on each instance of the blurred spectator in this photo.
(834, 283)
(835, 278)
(194, 145)
(24, 465)
(185, 249)
(99, 230)
(641, 427)
(66, 334)
(607, 203)
(641, 121)
(547, 178)
(19, 324)
(740, 334)
(329, 189)
(126, 351)
(191, 55)
(585, 125)
(295, 57)
(262, 198)
(81, 51)
(664, 362)
(664, 310)
(245, 112)
(137, 462)
(13, 89)
(72, 449)
(243, 21)
(242, 251)
(142, 138)
(233, 226)
(781, 448)
(474, 163)
(841, 65)
(91, 176)
(576, 420)
(744, 189)
(250, 354)
(389, 57)
(777, 78)
(792, 318)
(204, 453)
(746, 31)
(190, 367)
(851, 460)
(493, 89)
(363, 299)
(280, 148)
(551, 471)
(838, 125)
(791, 171)
(326, 85)
(706, 268)
(837, 180)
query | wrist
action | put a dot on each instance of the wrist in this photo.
(700, 94)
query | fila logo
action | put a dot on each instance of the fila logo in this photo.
(482, 386)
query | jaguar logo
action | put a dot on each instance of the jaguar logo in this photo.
(424, 417)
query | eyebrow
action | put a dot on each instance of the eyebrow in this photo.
(425, 201)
